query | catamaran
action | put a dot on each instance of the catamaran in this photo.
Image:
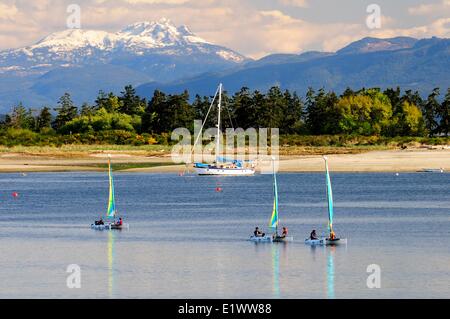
(111, 212)
(274, 220)
(222, 165)
(331, 239)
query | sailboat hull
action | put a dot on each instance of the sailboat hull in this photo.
(224, 171)
(336, 242)
(110, 227)
(316, 242)
(265, 239)
(326, 242)
(283, 239)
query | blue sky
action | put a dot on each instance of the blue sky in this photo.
(252, 27)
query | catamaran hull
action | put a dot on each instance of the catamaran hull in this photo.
(224, 171)
(283, 240)
(265, 239)
(336, 242)
(316, 242)
(326, 242)
(109, 227)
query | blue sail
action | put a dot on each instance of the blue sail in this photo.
(330, 197)
(274, 220)
(112, 196)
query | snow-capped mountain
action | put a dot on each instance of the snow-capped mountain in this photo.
(74, 46)
(144, 51)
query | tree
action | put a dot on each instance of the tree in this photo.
(130, 103)
(20, 118)
(408, 121)
(244, 108)
(444, 114)
(67, 111)
(430, 112)
(87, 110)
(322, 112)
(394, 96)
(271, 113)
(294, 113)
(44, 119)
(151, 119)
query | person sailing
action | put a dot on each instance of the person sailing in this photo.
(99, 222)
(119, 222)
(313, 235)
(332, 235)
(258, 233)
(284, 233)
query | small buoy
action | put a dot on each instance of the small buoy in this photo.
(397, 174)
(180, 174)
(15, 194)
(219, 189)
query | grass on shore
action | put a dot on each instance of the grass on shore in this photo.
(68, 151)
(83, 151)
(127, 166)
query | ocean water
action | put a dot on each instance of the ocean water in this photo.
(188, 241)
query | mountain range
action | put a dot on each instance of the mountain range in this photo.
(406, 62)
(160, 55)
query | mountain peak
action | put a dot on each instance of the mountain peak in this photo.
(74, 38)
(144, 27)
(162, 33)
(370, 44)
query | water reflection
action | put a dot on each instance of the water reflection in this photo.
(330, 272)
(111, 253)
(276, 270)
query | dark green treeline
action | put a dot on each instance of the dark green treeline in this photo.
(126, 117)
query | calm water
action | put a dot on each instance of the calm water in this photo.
(188, 241)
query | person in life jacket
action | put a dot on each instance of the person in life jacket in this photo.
(119, 222)
(332, 235)
(284, 233)
(258, 233)
(313, 235)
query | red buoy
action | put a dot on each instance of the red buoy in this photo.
(15, 194)
(219, 189)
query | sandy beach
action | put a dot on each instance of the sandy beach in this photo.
(411, 160)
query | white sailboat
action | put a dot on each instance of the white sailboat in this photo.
(221, 166)
(331, 239)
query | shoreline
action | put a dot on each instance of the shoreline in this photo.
(411, 160)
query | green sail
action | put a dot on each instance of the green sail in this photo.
(329, 197)
(274, 219)
(112, 197)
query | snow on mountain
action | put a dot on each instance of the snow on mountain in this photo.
(140, 52)
(77, 45)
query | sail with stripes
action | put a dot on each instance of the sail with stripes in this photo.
(330, 197)
(112, 197)
(274, 219)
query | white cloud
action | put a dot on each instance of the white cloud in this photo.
(8, 11)
(294, 3)
(431, 8)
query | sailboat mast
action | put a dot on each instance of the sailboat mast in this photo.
(218, 123)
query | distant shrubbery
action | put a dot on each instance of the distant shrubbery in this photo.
(364, 117)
